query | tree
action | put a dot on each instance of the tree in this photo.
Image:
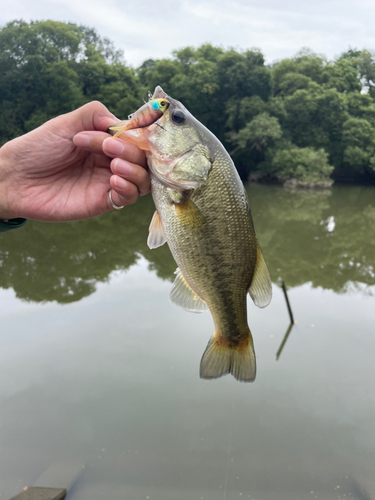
(291, 82)
(360, 105)
(314, 119)
(305, 165)
(305, 63)
(49, 67)
(300, 109)
(342, 75)
(366, 66)
(359, 144)
(259, 132)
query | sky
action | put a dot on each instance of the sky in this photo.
(153, 29)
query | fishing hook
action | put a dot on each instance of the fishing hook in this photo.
(156, 123)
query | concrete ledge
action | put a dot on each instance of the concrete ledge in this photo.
(34, 493)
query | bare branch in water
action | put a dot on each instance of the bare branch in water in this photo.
(291, 321)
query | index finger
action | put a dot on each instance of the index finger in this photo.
(91, 141)
(117, 148)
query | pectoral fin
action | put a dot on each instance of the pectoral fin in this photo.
(156, 237)
(261, 290)
(183, 296)
(189, 214)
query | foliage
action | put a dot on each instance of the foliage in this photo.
(259, 132)
(306, 165)
(48, 68)
(359, 137)
(301, 110)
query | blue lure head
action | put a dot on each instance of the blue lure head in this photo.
(160, 104)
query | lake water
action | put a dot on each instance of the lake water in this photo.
(99, 373)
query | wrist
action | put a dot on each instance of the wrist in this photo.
(5, 209)
(5, 213)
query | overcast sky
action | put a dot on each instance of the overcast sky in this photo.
(152, 29)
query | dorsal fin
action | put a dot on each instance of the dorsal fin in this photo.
(261, 290)
(183, 296)
(156, 237)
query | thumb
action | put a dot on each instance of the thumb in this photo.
(94, 116)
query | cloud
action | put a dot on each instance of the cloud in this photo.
(148, 29)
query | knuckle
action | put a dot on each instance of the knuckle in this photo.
(97, 106)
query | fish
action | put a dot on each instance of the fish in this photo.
(203, 213)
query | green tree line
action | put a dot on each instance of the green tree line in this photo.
(304, 119)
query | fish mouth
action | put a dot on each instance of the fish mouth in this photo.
(152, 127)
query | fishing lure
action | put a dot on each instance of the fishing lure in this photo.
(143, 117)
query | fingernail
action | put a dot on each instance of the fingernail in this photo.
(81, 140)
(113, 147)
(121, 167)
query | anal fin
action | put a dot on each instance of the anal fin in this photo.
(156, 237)
(183, 296)
(261, 289)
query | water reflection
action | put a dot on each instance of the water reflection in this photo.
(63, 262)
(323, 237)
(112, 388)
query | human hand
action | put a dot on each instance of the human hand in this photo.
(63, 171)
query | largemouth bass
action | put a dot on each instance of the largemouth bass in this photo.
(202, 211)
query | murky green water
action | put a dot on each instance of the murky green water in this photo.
(99, 381)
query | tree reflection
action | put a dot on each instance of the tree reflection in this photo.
(326, 238)
(63, 262)
(323, 237)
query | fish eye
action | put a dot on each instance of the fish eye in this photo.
(178, 116)
(162, 104)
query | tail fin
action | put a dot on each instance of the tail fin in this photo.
(120, 127)
(221, 358)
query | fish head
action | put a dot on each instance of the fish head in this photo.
(174, 134)
(179, 148)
